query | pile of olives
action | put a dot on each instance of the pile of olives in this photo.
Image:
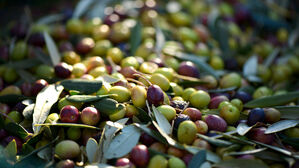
(154, 56)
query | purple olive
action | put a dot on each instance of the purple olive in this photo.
(63, 70)
(243, 96)
(26, 88)
(69, 114)
(124, 162)
(258, 134)
(188, 69)
(215, 101)
(4, 52)
(155, 95)
(65, 164)
(36, 39)
(256, 115)
(140, 155)
(38, 86)
(215, 123)
(8, 139)
(3, 133)
(146, 139)
(179, 119)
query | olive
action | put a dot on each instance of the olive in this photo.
(67, 149)
(187, 132)
(155, 95)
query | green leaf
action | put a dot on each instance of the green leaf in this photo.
(24, 64)
(52, 49)
(222, 90)
(50, 19)
(250, 67)
(248, 152)
(244, 163)
(12, 98)
(98, 9)
(69, 125)
(160, 40)
(81, 8)
(277, 149)
(83, 86)
(191, 83)
(91, 150)
(85, 98)
(123, 143)
(108, 106)
(135, 38)
(26, 76)
(17, 130)
(44, 101)
(45, 154)
(288, 112)
(269, 155)
(243, 128)
(10, 151)
(292, 141)
(143, 116)
(213, 141)
(152, 133)
(236, 139)
(281, 125)
(198, 159)
(162, 121)
(110, 79)
(271, 57)
(204, 67)
(271, 101)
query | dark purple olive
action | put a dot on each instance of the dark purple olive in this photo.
(231, 64)
(36, 39)
(69, 114)
(3, 134)
(124, 162)
(187, 68)
(140, 155)
(246, 157)
(65, 46)
(146, 139)
(26, 88)
(19, 107)
(38, 86)
(4, 53)
(215, 123)
(65, 164)
(179, 119)
(19, 30)
(155, 95)
(157, 61)
(243, 96)
(8, 139)
(242, 13)
(4, 108)
(258, 134)
(256, 115)
(85, 45)
(215, 101)
(187, 158)
(111, 19)
(128, 72)
(63, 70)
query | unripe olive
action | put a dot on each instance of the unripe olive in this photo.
(161, 81)
(79, 70)
(263, 72)
(71, 57)
(101, 47)
(262, 91)
(292, 132)
(158, 161)
(115, 54)
(172, 62)
(15, 116)
(73, 133)
(230, 80)
(145, 50)
(131, 111)
(104, 89)
(148, 67)
(52, 118)
(91, 24)
(175, 162)
(177, 90)
(159, 147)
(180, 19)
(98, 71)
(217, 63)
(122, 94)
(67, 149)
(10, 75)
(74, 26)
(199, 99)
(130, 61)
(187, 93)
(175, 152)
(272, 115)
(64, 102)
(45, 72)
(168, 111)
(187, 132)
(118, 115)
(237, 103)
(11, 90)
(138, 96)
(167, 72)
(19, 52)
(101, 32)
(211, 81)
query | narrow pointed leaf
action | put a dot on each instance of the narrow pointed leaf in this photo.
(69, 125)
(250, 67)
(108, 106)
(271, 57)
(83, 86)
(222, 90)
(24, 64)
(243, 128)
(249, 152)
(50, 19)
(81, 8)
(216, 142)
(288, 112)
(123, 143)
(52, 49)
(12, 98)
(110, 79)
(10, 151)
(86, 98)
(26, 76)
(28, 111)
(275, 100)
(135, 38)
(152, 133)
(16, 130)
(44, 101)
(162, 121)
(277, 149)
(198, 159)
(281, 125)
(160, 40)
(91, 150)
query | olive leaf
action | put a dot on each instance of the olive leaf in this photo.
(250, 69)
(52, 49)
(98, 9)
(135, 38)
(214, 141)
(110, 79)
(10, 151)
(85, 98)
(50, 19)
(281, 125)
(162, 121)
(26, 76)
(243, 128)
(12, 98)
(44, 101)
(17, 130)
(28, 111)
(222, 90)
(288, 112)
(277, 149)
(271, 101)
(108, 106)
(123, 143)
(244, 163)
(24, 64)
(143, 116)
(91, 150)
(45, 154)
(151, 132)
(82, 7)
(69, 125)
(271, 57)
(248, 152)
(83, 86)
(198, 159)
(160, 40)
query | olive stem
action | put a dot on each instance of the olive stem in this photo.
(136, 81)
(138, 75)
(112, 64)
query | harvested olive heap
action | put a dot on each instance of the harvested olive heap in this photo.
(153, 84)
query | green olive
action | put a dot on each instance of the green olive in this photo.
(148, 67)
(187, 93)
(161, 81)
(122, 94)
(130, 61)
(45, 71)
(101, 47)
(187, 132)
(67, 149)
(199, 99)
(19, 52)
(11, 90)
(168, 111)
(138, 96)
(158, 161)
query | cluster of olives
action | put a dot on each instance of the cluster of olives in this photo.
(94, 48)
